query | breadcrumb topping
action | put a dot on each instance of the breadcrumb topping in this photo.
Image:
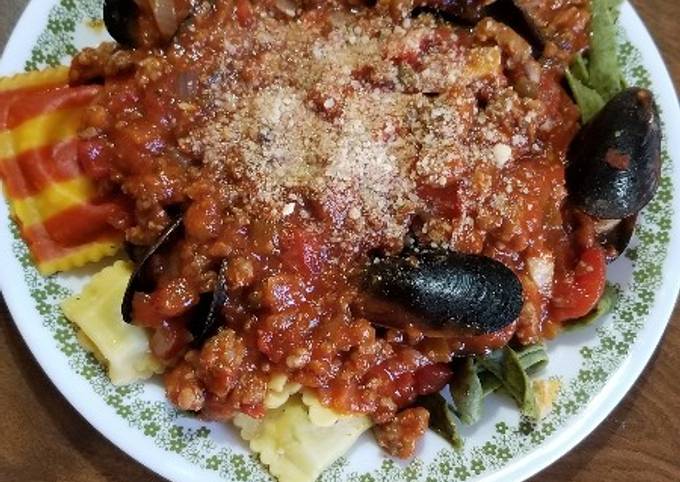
(353, 120)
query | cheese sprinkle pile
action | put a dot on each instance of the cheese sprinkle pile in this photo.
(363, 122)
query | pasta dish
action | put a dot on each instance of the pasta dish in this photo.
(332, 210)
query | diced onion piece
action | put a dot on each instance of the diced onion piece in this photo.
(287, 7)
(166, 17)
(542, 271)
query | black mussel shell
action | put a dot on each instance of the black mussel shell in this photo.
(614, 163)
(134, 252)
(468, 10)
(139, 282)
(615, 235)
(206, 318)
(510, 13)
(205, 315)
(441, 292)
(120, 18)
(533, 26)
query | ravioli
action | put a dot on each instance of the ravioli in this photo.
(319, 415)
(61, 214)
(123, 348)
(293, 447)
(279, 390)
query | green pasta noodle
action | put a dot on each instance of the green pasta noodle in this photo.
(598, 77)
(467, 393)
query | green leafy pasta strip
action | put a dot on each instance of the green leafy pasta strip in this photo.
(489, 369)
(509, 370)
(533, 357)
(518, 384)
(467, 392)
(489, 382)
(95, 311)
(590, 102)
(598, 77)
(579, 69)
(606, 76)
(442, 418)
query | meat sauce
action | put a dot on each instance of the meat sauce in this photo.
(180, 129)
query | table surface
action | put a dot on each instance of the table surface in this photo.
(45, 439)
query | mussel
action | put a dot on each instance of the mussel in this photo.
(442, 292)
(205, 316)
(538, 25)
(615, 235)
(123, 20)
(466, 10)
(139, 281)
(614, 163)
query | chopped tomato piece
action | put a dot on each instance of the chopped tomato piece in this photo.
(244, 13)
(577, 294)
(169, 339)
(144, 312)
(304, 252)
(432, 378)
(444, 200)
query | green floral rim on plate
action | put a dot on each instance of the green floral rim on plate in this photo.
(161, 423)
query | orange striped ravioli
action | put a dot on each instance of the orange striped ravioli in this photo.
(55, 204)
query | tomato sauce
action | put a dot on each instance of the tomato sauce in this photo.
(293, 249)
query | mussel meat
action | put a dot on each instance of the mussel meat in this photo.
(614, 163)
(442, 292)
(139, 282)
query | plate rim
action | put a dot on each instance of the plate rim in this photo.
(628, 374)
(155, 458)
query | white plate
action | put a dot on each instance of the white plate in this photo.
(597, 365)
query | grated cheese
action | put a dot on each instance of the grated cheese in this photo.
(335, 116)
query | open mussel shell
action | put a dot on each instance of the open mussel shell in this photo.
(467, 10)
(121, 20)
(207, 315)
(615, 235)
(614, 163)
(441, 292)
(134, 252)
(139, 282)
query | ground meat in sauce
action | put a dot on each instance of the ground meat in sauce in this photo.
(562, 25)
(296, 146)
(399, 436)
